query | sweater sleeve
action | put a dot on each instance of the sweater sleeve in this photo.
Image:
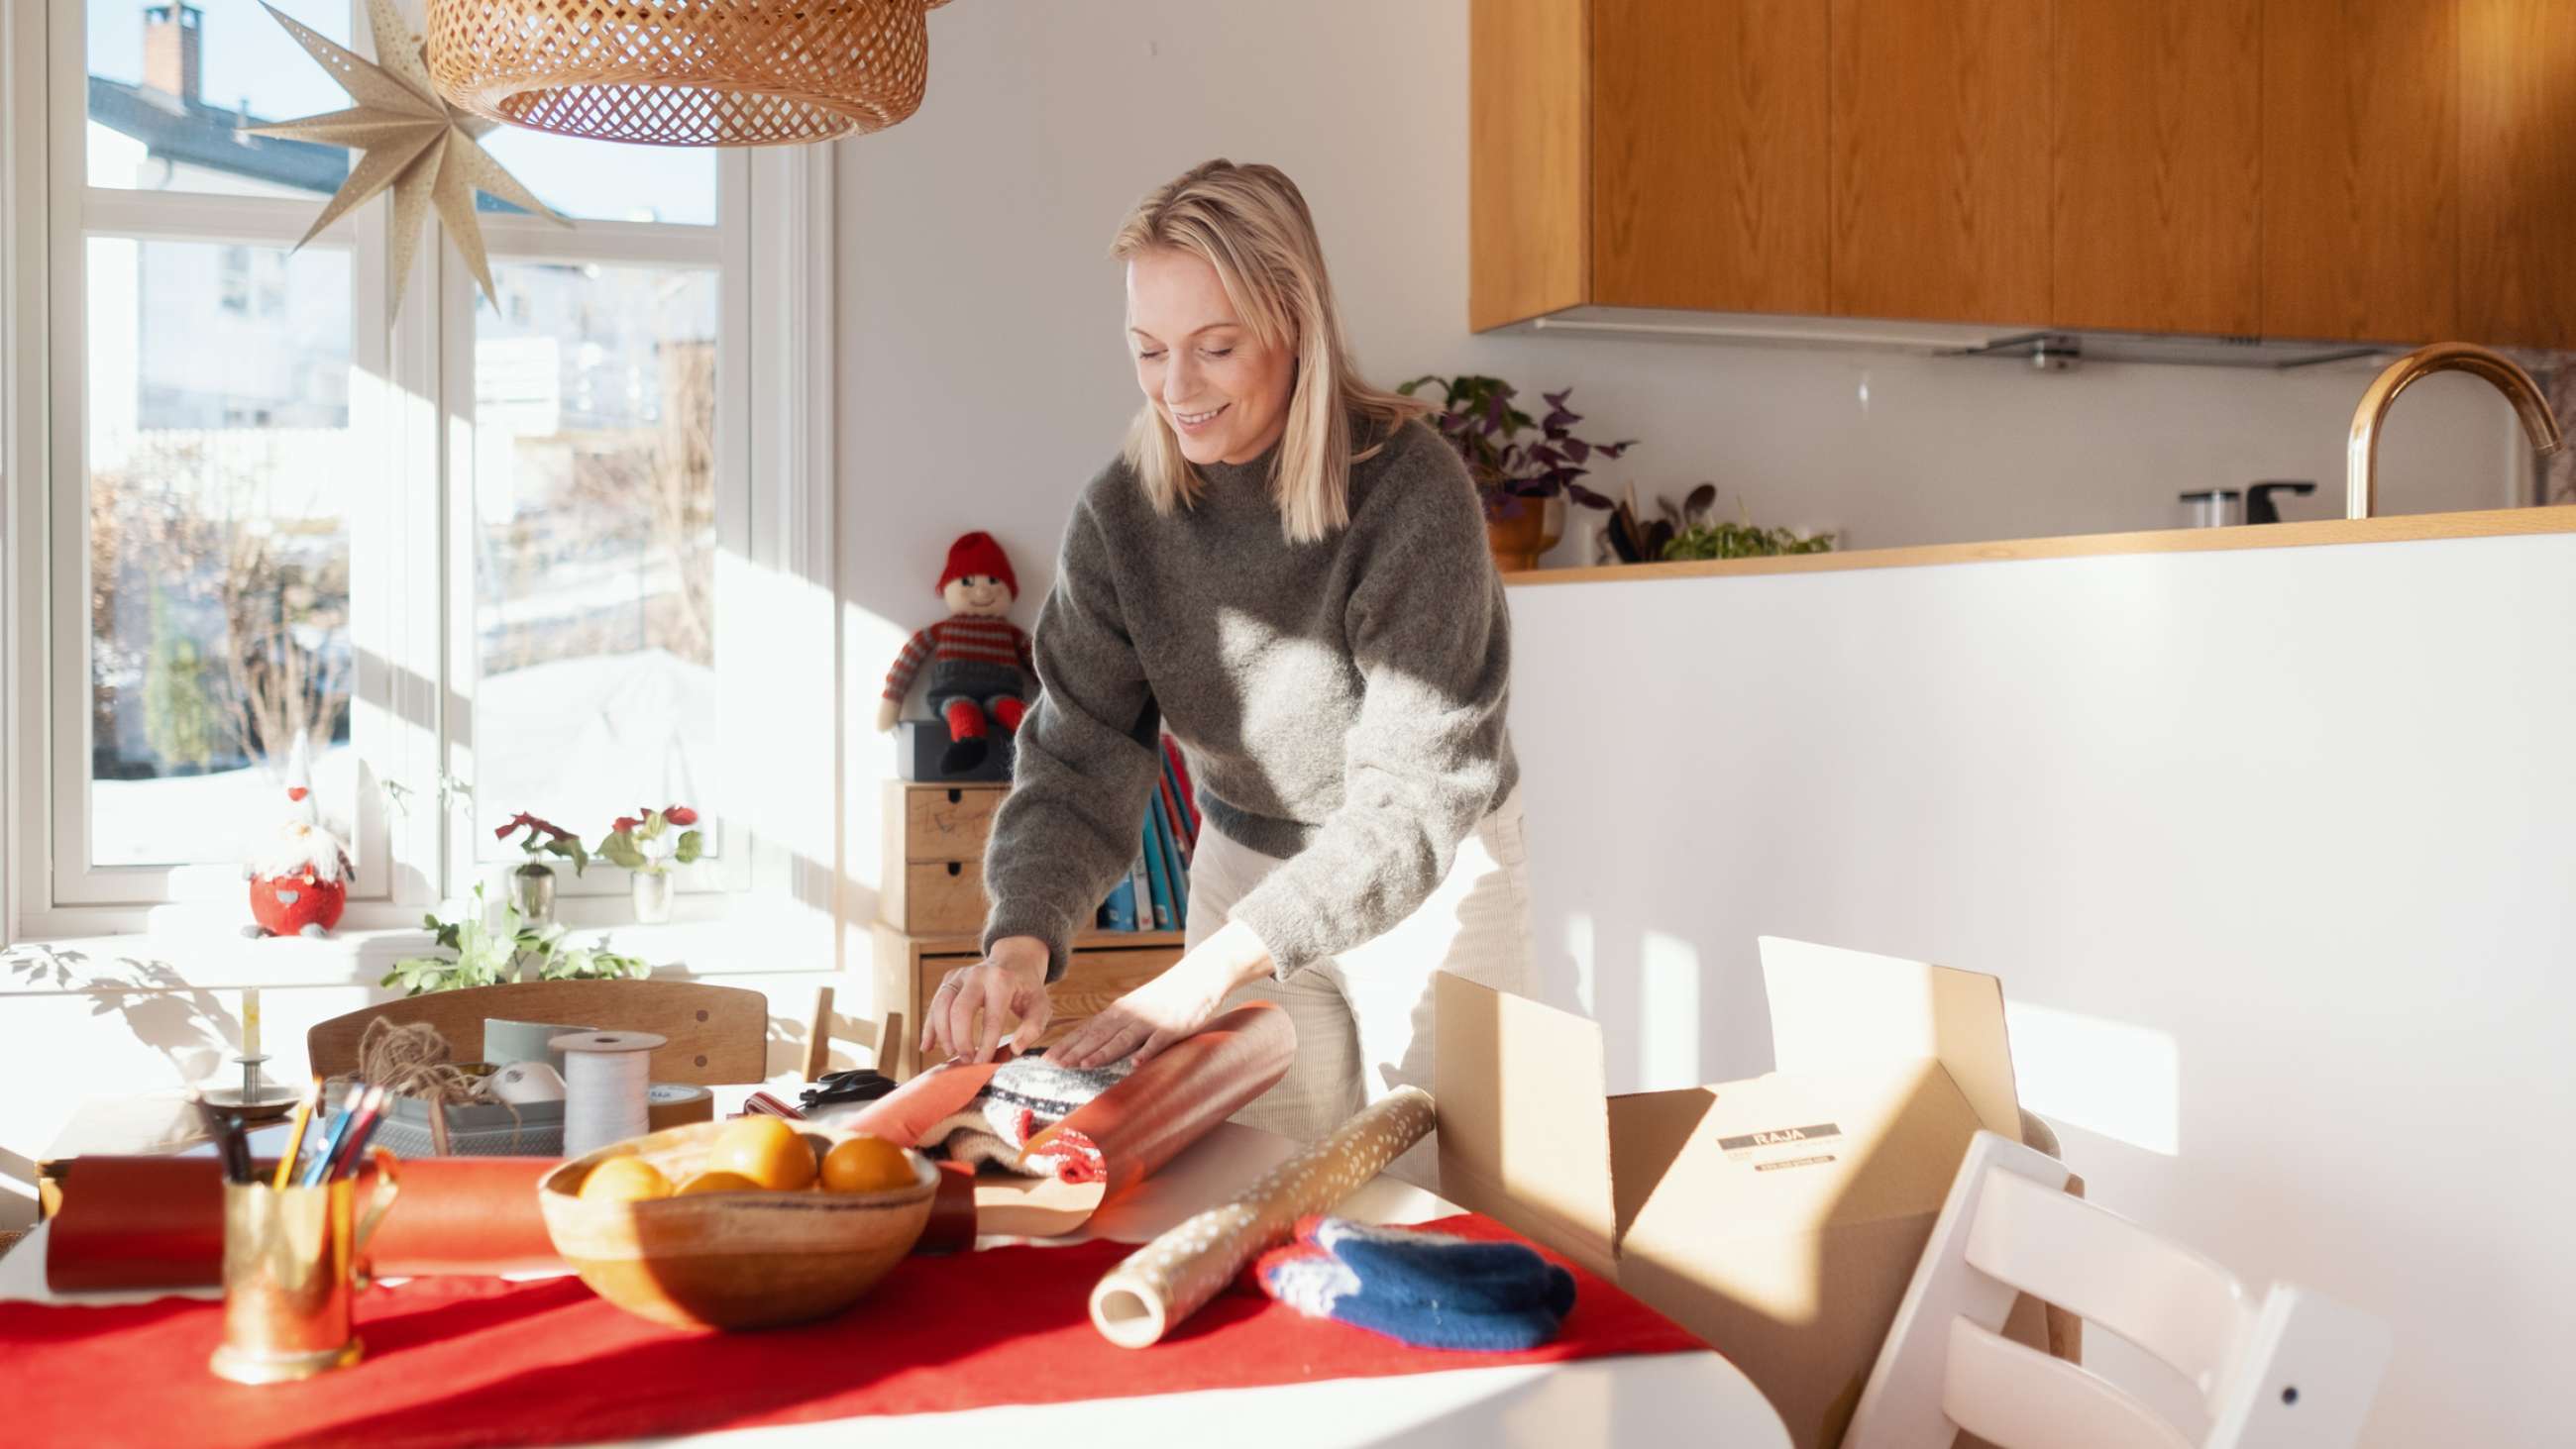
(1076, 810)
(1431, 638)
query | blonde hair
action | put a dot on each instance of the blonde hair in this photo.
(1251, 224)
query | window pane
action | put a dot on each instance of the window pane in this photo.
(219, 463)
(604, 181)
(595, 532)
(172, 86)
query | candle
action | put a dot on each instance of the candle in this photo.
(250, 1021)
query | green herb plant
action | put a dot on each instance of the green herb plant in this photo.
(1707, 538)
(502, 952)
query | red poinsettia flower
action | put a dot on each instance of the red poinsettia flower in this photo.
(523, 818)
(681, 815)
(624, 823)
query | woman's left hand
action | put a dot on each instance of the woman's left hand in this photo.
(1172, 1006)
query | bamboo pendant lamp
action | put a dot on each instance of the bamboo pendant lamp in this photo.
(684, 72)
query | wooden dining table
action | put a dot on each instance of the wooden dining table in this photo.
(1642, 1399)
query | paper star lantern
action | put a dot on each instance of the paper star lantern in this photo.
(408, 141)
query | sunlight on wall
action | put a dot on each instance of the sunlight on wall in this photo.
(2110, 1077)
(775, 633)
(1668, 1014)
(1578, 947)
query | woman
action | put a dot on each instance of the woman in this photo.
(1288, 570)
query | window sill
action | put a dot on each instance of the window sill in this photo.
(176, 954)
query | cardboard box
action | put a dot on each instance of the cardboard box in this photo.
(1778, 1218)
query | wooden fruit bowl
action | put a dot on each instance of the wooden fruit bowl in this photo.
(730, 1259)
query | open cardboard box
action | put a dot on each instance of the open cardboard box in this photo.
(1778, 1218)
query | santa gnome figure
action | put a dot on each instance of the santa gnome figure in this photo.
(979, 660)
(299, 880)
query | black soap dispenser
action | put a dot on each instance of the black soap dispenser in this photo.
(2259, 507)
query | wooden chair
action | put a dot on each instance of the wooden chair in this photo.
(2283, 1370)
(715, 1033)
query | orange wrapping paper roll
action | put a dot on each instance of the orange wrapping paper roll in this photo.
(158, 1222)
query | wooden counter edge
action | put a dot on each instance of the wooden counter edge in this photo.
(2403, 528)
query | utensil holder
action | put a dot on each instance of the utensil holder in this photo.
(291, 1266)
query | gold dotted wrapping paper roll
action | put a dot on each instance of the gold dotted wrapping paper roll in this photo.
(1175, 1275)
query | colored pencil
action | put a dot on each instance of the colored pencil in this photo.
(295, 1134)
(370, 1116)
(332, 1132)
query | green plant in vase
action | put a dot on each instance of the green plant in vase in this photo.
(532, 881)
(1523, 481)
(645, 844)
(499, 952)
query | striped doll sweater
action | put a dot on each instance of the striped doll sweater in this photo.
(960, 638)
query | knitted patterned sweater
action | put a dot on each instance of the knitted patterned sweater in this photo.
(959, 638)
(1341, 701)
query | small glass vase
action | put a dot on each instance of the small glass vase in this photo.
(652, 890)
(532, 891)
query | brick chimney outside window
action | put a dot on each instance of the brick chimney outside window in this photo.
(170, 35)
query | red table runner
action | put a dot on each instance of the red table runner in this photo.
(481, 1361)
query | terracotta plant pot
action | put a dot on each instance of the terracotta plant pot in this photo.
(1518, 536)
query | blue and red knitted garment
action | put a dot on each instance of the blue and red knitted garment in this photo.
(1430, 1290)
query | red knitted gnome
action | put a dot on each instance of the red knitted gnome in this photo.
(299, 877)
(979, 661)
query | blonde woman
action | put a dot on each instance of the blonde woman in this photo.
(1288, 570)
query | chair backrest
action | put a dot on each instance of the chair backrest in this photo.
(2288, 1370)
(715, 1033)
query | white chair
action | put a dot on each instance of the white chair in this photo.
(2285, 1370)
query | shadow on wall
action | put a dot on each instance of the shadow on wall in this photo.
(185, 1024)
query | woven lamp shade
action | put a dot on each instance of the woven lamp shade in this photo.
(684, 72)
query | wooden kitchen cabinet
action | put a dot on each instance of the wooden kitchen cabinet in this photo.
(2384, 171)
(2361, 110)
(1709, 155)
(2518, 171)
(1940, 133)
(2158, 165)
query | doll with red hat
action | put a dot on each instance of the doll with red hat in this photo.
(979, 660)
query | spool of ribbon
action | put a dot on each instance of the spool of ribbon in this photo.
(604, 1087)
(677, 1104)
(1175, 1275)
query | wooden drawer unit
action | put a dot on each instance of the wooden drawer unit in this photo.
(1106, 966)
(934, 856)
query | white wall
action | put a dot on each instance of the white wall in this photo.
(983, 379)
(2271, 851)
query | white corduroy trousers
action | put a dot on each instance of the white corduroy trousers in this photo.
(1363, 1017)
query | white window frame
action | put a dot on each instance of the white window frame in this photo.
(411, 608)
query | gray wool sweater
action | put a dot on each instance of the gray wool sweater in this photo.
(1341, 702)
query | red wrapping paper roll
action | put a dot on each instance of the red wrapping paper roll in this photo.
(158, 1222)
(1136, 1126)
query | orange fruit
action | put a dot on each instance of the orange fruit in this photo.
(624, 1179)
(717, 1182)
(764, 1149)
(866, 1164)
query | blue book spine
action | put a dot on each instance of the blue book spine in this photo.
(1118, 913)
(1177, 861)
(1157, 883)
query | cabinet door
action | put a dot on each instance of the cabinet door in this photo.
(1940, 159)
(1708, 155)
(1528, 244)
(2518, 172)
(2157, 163)
(2361, 196)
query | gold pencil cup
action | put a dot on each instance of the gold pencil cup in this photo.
(291, 1265)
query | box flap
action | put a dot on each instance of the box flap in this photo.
(1834, 1010)
(1500, 1058)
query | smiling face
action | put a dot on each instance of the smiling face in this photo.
(980, 595)
(1220, 390)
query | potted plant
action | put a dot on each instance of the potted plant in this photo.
(1523, 480)
(493, 954)
(532, 881)
(644, 844)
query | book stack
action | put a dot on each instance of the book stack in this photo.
(1156, 894)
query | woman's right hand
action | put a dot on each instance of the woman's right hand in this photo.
(1010, 981)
